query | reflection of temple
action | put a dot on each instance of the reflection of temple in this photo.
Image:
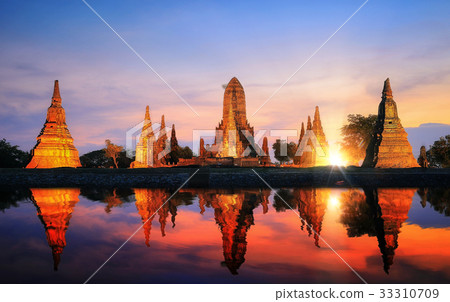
(149, 203)
(55, 207)
(311, 204)
(233, 213)
(383, 216)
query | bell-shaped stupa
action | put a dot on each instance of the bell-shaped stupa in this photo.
(389, 147)
(55, 148)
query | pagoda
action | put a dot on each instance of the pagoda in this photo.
(312, 148)
(322, 157)
(144, 148)
(230, 140)
(55, 148)
(389, 147)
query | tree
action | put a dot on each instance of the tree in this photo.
(185, 152)
(439, 153)
(98, 159)
(112, 151)
(356, 136)
(95, 159)
(291, 149)
(12, 156)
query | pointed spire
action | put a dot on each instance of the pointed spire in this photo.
(265, 146)
(163, 123)
(317, 114)
(302, 131)
(56, 98)
(162, 129)
(173, 138)
(387, 91)
(147, 130)
(147, 113)
(56, 260)
(309, 126)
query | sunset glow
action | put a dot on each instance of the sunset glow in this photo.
(336, 159)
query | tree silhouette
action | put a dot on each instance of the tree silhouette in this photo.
(112, 151)
(356, 136)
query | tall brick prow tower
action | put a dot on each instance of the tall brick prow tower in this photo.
(389, 147)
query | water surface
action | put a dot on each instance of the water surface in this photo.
(62, 235)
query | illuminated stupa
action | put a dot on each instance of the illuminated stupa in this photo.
(55, 207)
(312, 147)
(55, 146)
(229, 132)
(144, 148)
(389, 146)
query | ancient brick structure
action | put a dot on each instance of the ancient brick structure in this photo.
(422, 160)
(162, 146)
(144, 148)
(152, 151)
(55, 146)
(54, 209)
(265, 159)
(313, 144)
(308, 157)
(230, 141)
(389, 147)
(321, 159)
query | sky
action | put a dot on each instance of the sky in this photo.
(198, 46)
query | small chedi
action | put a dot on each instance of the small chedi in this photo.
(389, 147)
(144, 148)
(312, 148)
(422, 160)
(152, 151)
(230, 140)
(264, 160)
(55, 148)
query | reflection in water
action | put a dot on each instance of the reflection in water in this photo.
(152, 202)
(439, 199)
(55, 207)
(311, 204)
(377, 212)
(111, 197)
(149, 203)
(234, 215)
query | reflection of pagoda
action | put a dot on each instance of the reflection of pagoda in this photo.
(150, 202)
(392, 207)
(233, 213)
(311, 203)
(55, 207)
